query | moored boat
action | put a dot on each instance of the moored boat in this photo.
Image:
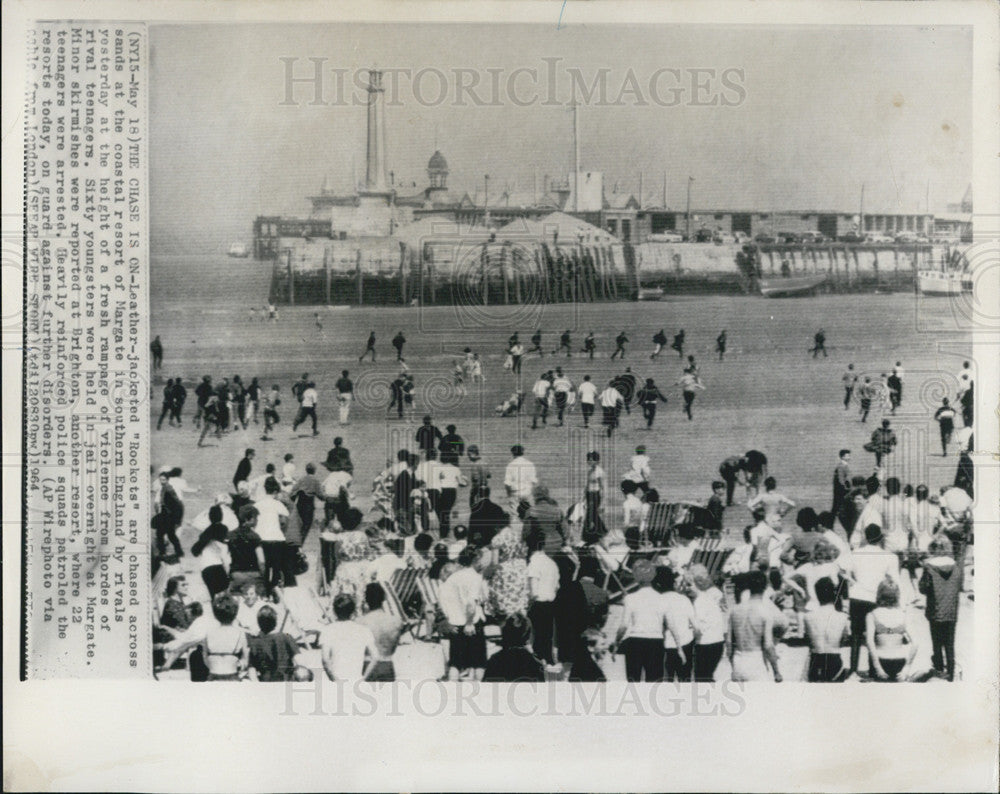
(790, 285)
(938, 282)
(239, 250)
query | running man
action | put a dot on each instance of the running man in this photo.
(300, 386)
(476, 370)
(945, 416)
(540, 391)
(345, 396)
(819, 344)
(691, 386)
(516, 353)
(589, 345)
(620, 341)
(866, 391)
(536, 343)
(397, 342)
(648, 397)
(168, 400)
(271, 403)
(659, 340)
(625, 383)
(587, 394)
(396, 389)
(611, 403)
(678, 343)
(895, 384)
(369, 348)
(561, 388)
(211, 418)
(156, 350)
(458, 376)
(564, 344)
(850, 381)
(307, 408)
(319, 325)
(720, 345)
(202, 391)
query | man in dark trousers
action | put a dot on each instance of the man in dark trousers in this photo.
(625, 383)
(589, 344)
(243, 468)
(397, 342)
(865, 393)
(945, 416)
(882, 443)
(755, 467)
(849, 381)
(678, 343)
(536, 343)
(168, 397)
(396, 390)
(720, 345)
(841, 482)
(895, 384)
(565, 344)
(177, 401)
(299, 387)
(731, 471)
(369, 348)
(620, 341)
(452, 446)
(156, 350)
(428, 436)
(659, 340)
(202, 391)
(819, 343)
(647, 397)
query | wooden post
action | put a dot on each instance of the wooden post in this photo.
(357, 275)
(326, 271)
(291, 278)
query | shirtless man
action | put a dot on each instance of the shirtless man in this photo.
(751, 626)
(826, 629)
(387, 630)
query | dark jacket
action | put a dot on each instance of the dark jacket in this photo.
(941, 582)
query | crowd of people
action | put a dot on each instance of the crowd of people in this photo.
(511, 568)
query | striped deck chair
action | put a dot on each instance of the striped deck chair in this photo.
(712, 554)
(659, 524)
(404, 599)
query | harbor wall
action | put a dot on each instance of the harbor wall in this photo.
(390, 271)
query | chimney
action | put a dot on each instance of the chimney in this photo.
(375, 178)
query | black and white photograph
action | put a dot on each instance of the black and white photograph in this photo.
(558, 362)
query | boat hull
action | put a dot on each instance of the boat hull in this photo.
(936, 283)
(793, 285)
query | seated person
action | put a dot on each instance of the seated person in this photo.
(273, 654)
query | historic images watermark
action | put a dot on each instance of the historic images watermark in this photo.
(323, 698)
(550, 83)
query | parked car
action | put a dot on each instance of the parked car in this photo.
(703, 236)
(723, 238)
(789, 238)
(666, 237)
(876, 238)
(813, 238)
(741, 237)
(765, 238)
(910, 238)
(852, 237)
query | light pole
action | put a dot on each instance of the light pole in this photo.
(688, 213)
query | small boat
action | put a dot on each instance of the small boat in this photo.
(239, 250)
(790, 285)
(953, 277)
(650, 294)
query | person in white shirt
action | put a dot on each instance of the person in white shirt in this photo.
(256, 485)
(272, 516)
(307, 408)
(711, 624)
(641, 632)
(611, 404)
(179, 484)
(449, 480)
(543, 581)
(678, 640)
(519, 478)
(461, 599)
(632, 506)
(561, 388)
(337, 494)
(201, 521)
(587, 393)
(382, 568)
(348, 648)
(870, 564)
(690, 385)
(639, 469)
(288, 472)
(540, 391)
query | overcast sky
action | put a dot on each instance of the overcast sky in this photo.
(803, 117)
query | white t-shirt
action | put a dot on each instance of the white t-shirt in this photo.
(872, 564)
(428, 472)
(587, 392)
(344, 643)
(520, 477)
(540, 389)
(449, 476)
(309, 398)
(215, 553)
(679, 612)
(543, 576)
(385, 566)
(709, 618)
(610, 397)
(336, 481)
(563, 385)
(645, 614)
(640, 465)
(464, 589)
(269, 513)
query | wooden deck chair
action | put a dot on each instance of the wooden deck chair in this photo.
(659, 524)
(617, 583)
(711, 554)
(405, 600)
(430, 590)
